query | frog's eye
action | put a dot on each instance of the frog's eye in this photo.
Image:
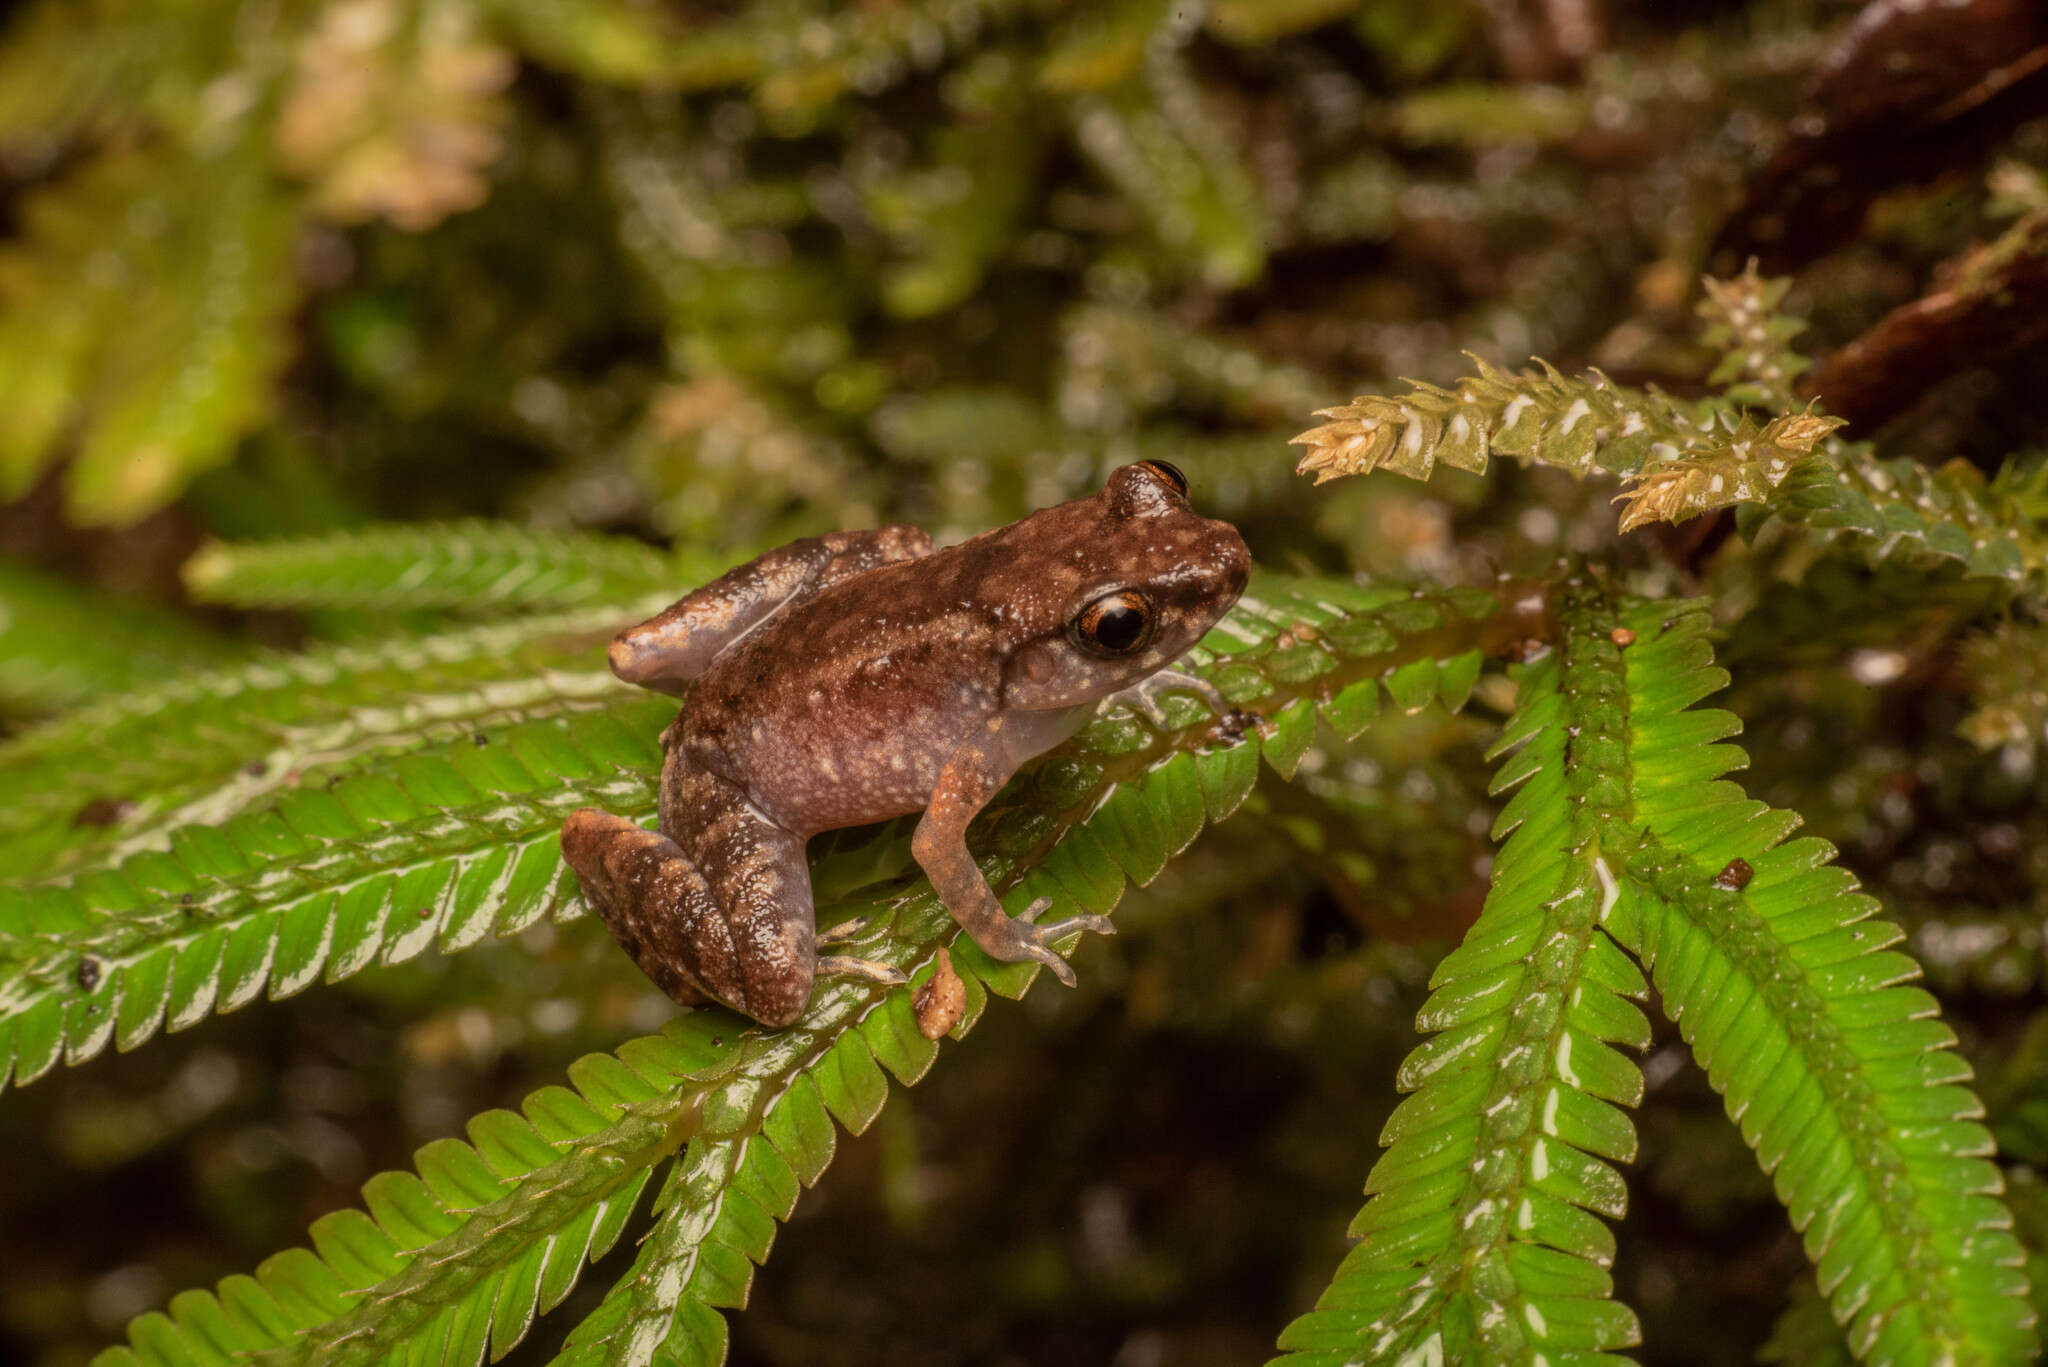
(1168, 472)
(1115, 625)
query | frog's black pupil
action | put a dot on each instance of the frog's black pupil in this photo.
(1119, 627)
(1115, 624)
(1169, 472)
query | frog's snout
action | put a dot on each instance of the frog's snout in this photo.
(1234, 561)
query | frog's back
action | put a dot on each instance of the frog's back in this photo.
(842, 708)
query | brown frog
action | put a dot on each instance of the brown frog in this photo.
(858, 676)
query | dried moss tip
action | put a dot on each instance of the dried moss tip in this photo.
(1744, 469)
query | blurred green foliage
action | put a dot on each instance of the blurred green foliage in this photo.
(445, 290)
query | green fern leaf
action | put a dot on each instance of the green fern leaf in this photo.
(1476, 1243)
(459, 1258)
(447, 844)
(461, 1254)
(466, 566)
(1900, 509)
(1843, 1081)
(210, 744)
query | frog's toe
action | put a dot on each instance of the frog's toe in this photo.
(1143, 696)
(861, 970)
(1037, 941)
(1060, 968)
(1074, 925)
(846, 930)
(1039, 906)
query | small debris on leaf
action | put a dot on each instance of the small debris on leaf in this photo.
(1734, 875)
(103, 811)
(942, 1001)
(1622, 637)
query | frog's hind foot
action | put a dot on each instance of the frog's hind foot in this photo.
(752, 950)
(1032, 941)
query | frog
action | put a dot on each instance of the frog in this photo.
(860, 676)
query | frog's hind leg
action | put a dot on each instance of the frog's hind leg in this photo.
(725, 916)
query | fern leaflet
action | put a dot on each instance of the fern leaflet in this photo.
(468, 566)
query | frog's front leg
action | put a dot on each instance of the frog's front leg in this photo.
(668, 650)
(722, 911)
(1143, 696)
(973, 774)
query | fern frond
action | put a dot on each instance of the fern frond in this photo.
(1745, 322)
(61, 645)
(1843, 1081)
(1745, 468)
(459, 1258)
(445, 845)
(213, 743)
(469, 1251)
(1685, 461)
(454, 841)
(465, 566)
(1477, 1244)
